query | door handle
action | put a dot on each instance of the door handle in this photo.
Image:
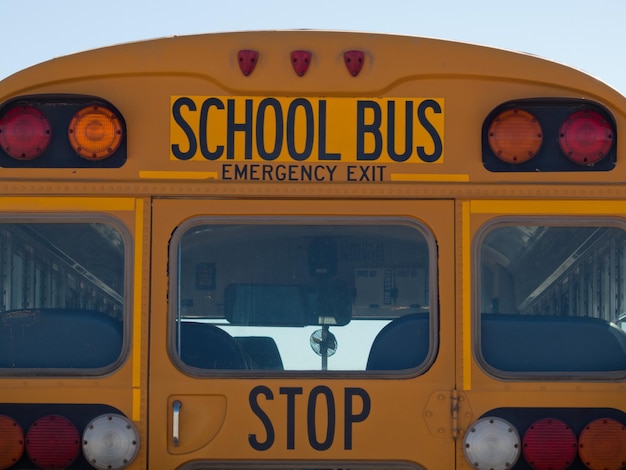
(175, 422)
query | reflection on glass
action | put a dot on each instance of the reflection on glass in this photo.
(302, 297)
(63, 302)
(551, 297)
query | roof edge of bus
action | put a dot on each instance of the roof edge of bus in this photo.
(412, 57)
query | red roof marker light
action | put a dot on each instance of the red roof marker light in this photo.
(354, 61)
(247, 60)
(301, 61)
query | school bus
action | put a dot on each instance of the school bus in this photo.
(311, 250)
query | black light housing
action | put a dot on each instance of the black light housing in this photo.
(42, 131)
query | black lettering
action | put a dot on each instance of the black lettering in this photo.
(365, 171)
(306, 172)
(361, 173)
(427, 125)
(186, 128)
(245, 127)
(331, 171)
(291, 393)
(281, 172)
(381, 172)
(226, 171)
(260, 129)
(373, 128)
(204, 129)
(350, 417)
(267, 173)
(322, 154)
(318, 171)
(291, 129)
(350, 172)
(265, 420)
(391, 132)
(241, 172)
(330, 422)
(252, 173)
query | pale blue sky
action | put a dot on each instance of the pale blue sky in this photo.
(589, 35)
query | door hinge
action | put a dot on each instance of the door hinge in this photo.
(447, 413)
(460, 413)
(454, 413)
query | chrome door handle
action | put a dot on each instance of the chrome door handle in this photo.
(175, 422)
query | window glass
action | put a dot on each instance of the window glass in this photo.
(303, 296)
(552, 298)
(62, 299)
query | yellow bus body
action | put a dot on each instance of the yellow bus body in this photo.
(177, 170)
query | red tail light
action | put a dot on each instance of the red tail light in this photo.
(586, 137)
(24, 132)
(52, 442)
(549, 444)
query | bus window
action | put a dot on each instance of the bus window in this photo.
(62, 306)
(289, 296)
(551, 297)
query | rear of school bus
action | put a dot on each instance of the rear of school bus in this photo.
(311, 250)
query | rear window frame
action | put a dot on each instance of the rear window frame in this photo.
(421, 228)
(477, 313)
(126, 323)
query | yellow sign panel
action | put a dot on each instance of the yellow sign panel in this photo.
(295, 139)
(384, 130)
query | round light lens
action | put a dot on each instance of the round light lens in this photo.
(586, 137)
(515, 136)
(110, 442)
(492, 443)
(52, 442)
(11, 442)
(602, 445)
(24, 132)
(95, 132)
(549, 444)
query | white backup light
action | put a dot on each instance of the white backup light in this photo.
(492, 443)
(110, 442)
